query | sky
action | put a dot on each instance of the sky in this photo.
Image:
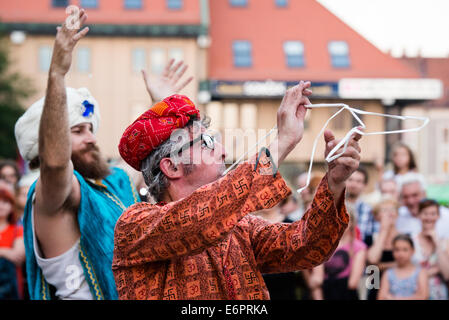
(400, 27)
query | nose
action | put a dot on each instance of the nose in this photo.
(90, 137)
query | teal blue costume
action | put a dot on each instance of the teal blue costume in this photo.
(100, 207)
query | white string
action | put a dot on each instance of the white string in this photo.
(252, 148)
(345, 141)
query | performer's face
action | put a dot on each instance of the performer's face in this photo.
(86, 156)
(207, 160)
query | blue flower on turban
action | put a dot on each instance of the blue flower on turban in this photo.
(89, 108)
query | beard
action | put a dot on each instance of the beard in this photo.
(97, 169)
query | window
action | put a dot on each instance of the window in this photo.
(281, 3)
(139, 58)
(45, 54)
(238, 3)
(242, 53)
(248, 116)
(157, 60)
(83, 59)
(339, 52)
(133, 4)
(176, 53)
(89, 4)
(294, 54)
(60, 3)
(340, 121)
(174, 4)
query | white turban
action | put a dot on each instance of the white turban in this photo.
(82, 107)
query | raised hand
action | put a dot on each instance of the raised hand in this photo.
(387, 221)
(341, 168)
(291, 113)
(66, 39)
(160, 87)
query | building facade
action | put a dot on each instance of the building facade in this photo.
(125, 37)
(243, 55)
(262, 47)
(432, 145)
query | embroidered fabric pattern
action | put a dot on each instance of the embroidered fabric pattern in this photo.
(209, 246)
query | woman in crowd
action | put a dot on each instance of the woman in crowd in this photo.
(403, 162)
(9, 172)
(405, 281)
(12, 249)
(381, 252)
(341, 274)
(432, 253)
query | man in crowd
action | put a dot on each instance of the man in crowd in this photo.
(412, 192)
(200, 240)
(355, 187)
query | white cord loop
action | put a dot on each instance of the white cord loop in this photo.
(345, 141)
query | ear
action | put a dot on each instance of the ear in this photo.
(170, 169)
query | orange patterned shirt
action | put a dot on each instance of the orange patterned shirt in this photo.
(209, 246)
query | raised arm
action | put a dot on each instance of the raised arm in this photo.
(303, 244)
(57, 190)
(56, 169)
(311, 240)
(374, 254)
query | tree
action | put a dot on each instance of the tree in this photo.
(14, 88)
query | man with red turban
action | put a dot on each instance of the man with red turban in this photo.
(200, 241)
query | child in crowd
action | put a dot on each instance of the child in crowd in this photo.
(406, 281)
(381, 252)
(403, 161)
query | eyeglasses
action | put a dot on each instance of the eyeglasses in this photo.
(207, 141)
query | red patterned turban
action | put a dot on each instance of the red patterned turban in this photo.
(154, 127)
